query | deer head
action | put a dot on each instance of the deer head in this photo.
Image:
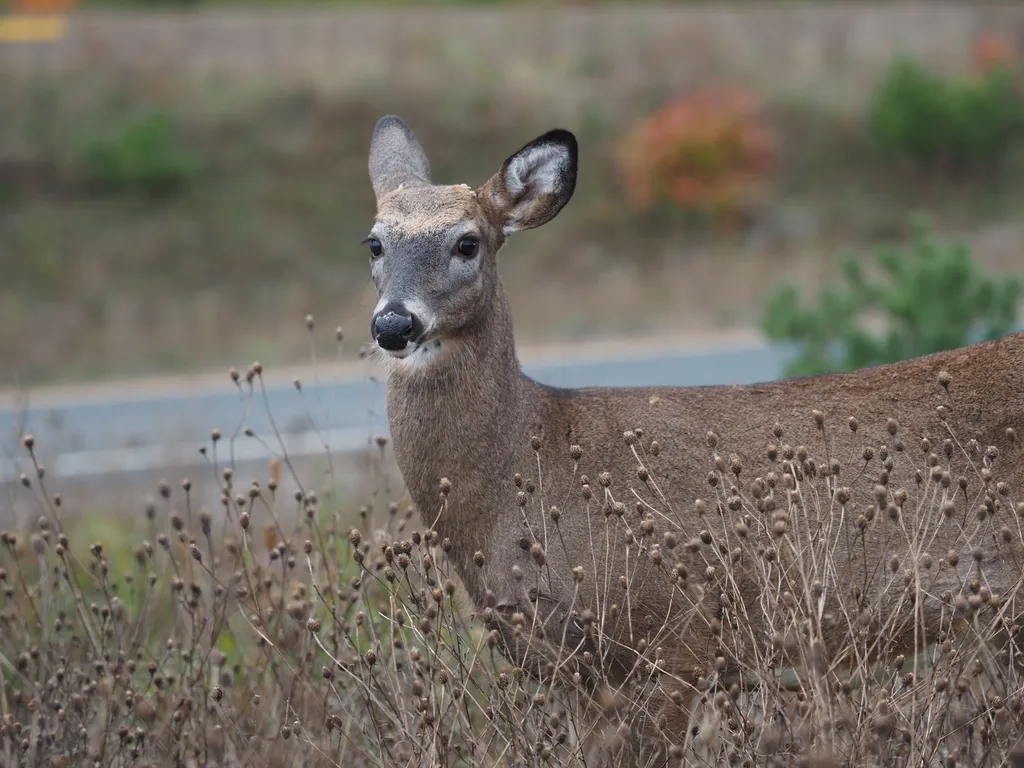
(433, 247)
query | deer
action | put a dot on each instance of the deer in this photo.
(636, 533)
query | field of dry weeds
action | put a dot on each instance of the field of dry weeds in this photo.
(306, 628)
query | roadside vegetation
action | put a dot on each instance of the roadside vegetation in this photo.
(291, 625)
(928, 297)
(149, 223)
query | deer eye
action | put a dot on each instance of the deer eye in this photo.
(376, 249)
(468, 246)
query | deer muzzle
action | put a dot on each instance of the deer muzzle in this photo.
(394, 327)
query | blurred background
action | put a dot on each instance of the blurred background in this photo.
(182, 183)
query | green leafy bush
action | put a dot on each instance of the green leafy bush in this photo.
(932, 296)
(140, 155)
(939, 123)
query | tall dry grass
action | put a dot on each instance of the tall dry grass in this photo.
(290, 629)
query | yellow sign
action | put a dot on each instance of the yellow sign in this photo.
(37, 28)
(34, 21)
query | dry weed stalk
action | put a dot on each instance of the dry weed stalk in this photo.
(277, 633)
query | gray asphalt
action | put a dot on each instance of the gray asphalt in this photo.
(139, 433)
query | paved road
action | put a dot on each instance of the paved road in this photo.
(128, 430)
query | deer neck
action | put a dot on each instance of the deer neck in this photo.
(464, 423)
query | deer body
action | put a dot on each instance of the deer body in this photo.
(481, 513)
(460, 408)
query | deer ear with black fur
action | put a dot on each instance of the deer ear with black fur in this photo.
(536, 182)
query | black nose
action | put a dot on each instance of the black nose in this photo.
(394, 327)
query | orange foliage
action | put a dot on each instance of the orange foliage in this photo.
(992, 50)
(41, 6)
(708, 150)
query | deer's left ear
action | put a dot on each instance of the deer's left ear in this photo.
(535, 183)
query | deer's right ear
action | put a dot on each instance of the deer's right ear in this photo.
(396, 157)
(535, 183)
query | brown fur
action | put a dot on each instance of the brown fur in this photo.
(471, 414)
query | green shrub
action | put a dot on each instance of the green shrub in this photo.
(138, 155)
(937, 123)
(932, 296)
